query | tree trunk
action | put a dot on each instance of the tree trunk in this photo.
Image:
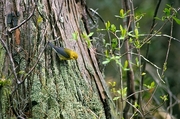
(41, 85)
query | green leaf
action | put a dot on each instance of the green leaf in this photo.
(122, 92)
(137, 44)
(126, 64)
(137, 62)
(177, 20)
(106, 62)
(123, 32)
(114, 43)
(113, 28)
(121, 28)
(130, 40)
(151, 86)
(164, 97)
(75, 35)
(22, 72)
(87, 39)
(106, 53)
(113, 90)
(167, 11)
(107, 44)
(125, 67)
(143, 74)
(116, 98)
(112, 83)
(107, 24)
(136, 105)
(90, 34)
(136, 33)
(121, 13)
(158, 18)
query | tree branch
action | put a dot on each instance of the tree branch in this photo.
(16, 27)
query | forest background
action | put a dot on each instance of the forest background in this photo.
(158, 49)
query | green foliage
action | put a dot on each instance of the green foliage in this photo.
(110, 26)
(151, 86)
(87, 38)
(115, 50)
(123, 32)
(136, 33)
(167, 11)
(137, 62)
(164, 97)
(176, 19)
(125, 67)
(4, 82)
(109, 59)
(122, 15)
(122, 93)
(170, 12)
(112, 83)
(114, 43)
(75, 35)
(136, 105)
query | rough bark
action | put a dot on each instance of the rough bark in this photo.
(42, 86)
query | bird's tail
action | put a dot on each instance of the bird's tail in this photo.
(50, 44)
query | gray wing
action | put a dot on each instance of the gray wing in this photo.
(59, 50)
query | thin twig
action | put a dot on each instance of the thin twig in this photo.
(147, 49)
(135, 108)
(146, 60)
(16, 27)
(160, 35)
(34, 64)
(11, 59)
(99, 16)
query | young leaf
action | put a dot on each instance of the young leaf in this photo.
(164, 97)
(116, 98)
(114, 43)
(113, 28)
(123, 32)
(108, 24)
(136, 33)
(106, 62)
(75, 35)
(121, 13)
(90, 34)
(177, 20)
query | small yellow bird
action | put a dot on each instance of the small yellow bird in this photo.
(64, 53)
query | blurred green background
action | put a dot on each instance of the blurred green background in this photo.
(159, 45)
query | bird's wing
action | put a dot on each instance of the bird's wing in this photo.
(59, 50)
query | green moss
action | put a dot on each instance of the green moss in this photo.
(66, 95)
(4, 82)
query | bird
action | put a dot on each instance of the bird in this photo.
(64, 53)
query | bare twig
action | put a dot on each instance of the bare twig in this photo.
(129, 24)
(34, 64)
(159, 35)
(16, 27)
(151, 31)
(135, 108)
(11, 60)
(99, 16)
